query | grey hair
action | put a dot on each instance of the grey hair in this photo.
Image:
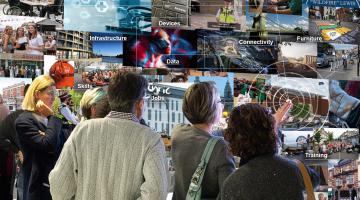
(200, 103)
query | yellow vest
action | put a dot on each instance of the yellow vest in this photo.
(226, 15)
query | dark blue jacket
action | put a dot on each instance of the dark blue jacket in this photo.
(39, 153)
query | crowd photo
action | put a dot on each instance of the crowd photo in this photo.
(60, 146)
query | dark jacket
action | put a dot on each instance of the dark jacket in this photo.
(8, 132)
(188, 145)
(39, 153)
(267, 177)
(9, 145)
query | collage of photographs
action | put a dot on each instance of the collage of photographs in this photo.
(180, 99)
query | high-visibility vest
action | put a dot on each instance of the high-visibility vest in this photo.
(226, 15)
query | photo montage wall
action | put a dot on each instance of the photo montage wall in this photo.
(255, 51)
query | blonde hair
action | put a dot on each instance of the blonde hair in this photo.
(39, 84)
(90, 97)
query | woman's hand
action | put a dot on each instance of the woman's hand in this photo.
(280, 115)
(43, 109)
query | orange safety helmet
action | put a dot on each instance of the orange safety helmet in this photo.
(63, 74)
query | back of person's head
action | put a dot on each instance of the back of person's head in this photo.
(26, 88)
(200, 103)
(102, 108)
(88, 101)
(39, 84)
(124, 90)
(250, 131)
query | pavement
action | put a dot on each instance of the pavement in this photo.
(340, 74)
(344, 155)
(352, 37)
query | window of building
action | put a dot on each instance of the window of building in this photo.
(155, 114)
(172, 104)
(173, 117)
(149, 114)
(349, 179)
(152, 104)
(160, 114)
(177, 105)
(338, 182)
(178, 117)
(156, 126)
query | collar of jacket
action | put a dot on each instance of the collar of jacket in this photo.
(123, 115)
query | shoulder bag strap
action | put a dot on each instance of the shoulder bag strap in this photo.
(194, 191)
(307, 181)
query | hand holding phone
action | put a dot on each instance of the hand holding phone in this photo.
(43, 109)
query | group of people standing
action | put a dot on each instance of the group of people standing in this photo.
(112, 154)
(20, 72)
(26, 38)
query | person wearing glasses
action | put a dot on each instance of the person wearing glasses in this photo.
(114, 157)
(202, 106)
(38, 131)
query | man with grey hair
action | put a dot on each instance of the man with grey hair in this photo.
(115, 157)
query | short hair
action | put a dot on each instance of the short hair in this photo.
(102, 108)
(125, 89)
(89, 99)
(200, 103)
(26, 87)
(40, 83)
(250, 131)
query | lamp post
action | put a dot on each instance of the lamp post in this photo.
(358, 60)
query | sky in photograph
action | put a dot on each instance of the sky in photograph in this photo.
(304, 85)
(298, 50)
(107, 48)
(5, 82)
(287, 22)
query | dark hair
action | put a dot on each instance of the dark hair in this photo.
(250, 131)
(26, 88)
(102, 108)
(125, 89)
(200, 103)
